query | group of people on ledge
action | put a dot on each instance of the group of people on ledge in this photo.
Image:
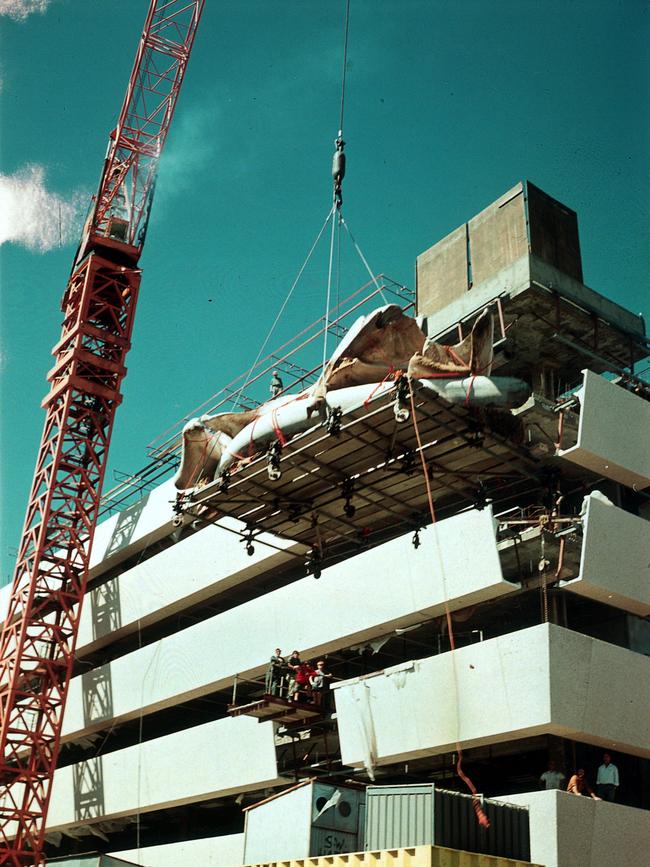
(607, 780)
(297, 680)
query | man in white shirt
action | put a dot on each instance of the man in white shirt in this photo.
(607, 780)
(552, 778)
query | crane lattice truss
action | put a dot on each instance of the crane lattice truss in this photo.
(136, 143)
(39, 635)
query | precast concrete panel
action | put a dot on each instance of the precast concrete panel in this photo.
(279, 829)
(476, 695)
(613, 430)
(354, 602)
(212, 560)
(442, 273)
(553, 232)
(463, 551)
(132, 529)
(572, 830)
(591, 695)
(216, 759)
(615, 558)
(498, 235)
(225, 851)
(540, 680)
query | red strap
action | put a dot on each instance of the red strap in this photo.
(481, 817)
(378, 386)
(276, 428)
(200, 464)
(251, 450)
(455, 356)
(469, 389)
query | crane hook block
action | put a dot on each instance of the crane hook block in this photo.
(338, 162)
(338, 171)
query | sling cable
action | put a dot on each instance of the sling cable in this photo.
(336, 212)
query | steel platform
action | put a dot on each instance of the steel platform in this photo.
(337, 492)
(272, 707)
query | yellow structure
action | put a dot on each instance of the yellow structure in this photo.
(417, 856)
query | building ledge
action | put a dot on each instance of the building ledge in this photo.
(540, 680)
(577, 831)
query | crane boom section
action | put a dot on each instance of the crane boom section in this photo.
(39, 635)
(122, 203)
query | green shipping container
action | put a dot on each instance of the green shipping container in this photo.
(417, 815)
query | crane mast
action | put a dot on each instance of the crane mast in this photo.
(39, 634)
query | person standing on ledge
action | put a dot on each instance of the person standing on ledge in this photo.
(607, 780)
(578, 785)
(276, 384)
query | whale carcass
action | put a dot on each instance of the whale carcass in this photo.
(377, 350)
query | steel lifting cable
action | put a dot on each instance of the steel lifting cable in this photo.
(338, 275)
(340, 139)
(329, 288)
(338, 173)
(345, 63)
(363, 258)
(329, 217)
(338, 163)
(480, 813)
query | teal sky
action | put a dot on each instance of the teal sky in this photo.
(448, 105)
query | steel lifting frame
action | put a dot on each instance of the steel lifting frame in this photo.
(39, 635)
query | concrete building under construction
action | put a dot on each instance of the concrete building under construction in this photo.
(477, 580)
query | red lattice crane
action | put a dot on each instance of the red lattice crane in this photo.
(39, 635)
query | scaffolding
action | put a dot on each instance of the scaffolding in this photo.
(247, 390)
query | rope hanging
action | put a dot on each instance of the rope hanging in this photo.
(481, 816)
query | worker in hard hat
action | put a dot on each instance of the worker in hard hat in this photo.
(276, 386)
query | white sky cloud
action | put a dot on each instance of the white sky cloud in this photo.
(35, 218)
(20, 9)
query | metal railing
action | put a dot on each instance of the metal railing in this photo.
(296, 358)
